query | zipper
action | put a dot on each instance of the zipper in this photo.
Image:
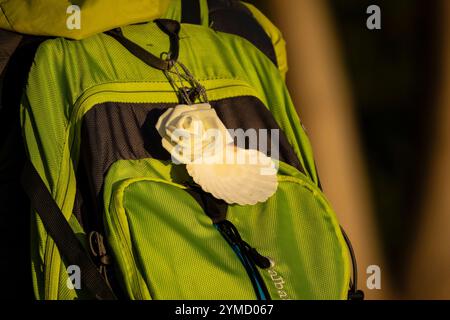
(249, 257)
(142, 92)
(147, 92)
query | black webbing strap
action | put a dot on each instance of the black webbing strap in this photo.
(170, 27)
(232, 16)
(62, 234)
(190, 12)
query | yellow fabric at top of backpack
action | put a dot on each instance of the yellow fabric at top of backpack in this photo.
(61, 18)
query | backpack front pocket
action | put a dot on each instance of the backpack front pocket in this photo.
(166, 246)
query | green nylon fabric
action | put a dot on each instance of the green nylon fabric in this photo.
(64, 70)
(298, 231)
(168, 248)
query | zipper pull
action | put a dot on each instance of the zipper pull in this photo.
(256, 257)
(232, 235)
(229, 231)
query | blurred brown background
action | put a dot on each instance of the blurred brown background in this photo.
(376, 104)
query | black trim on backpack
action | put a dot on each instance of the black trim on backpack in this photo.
(62, 234)
(190, 11)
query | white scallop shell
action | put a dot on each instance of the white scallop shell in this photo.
(189, 132)
(235, 182)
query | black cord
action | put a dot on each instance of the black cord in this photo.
(353, 293)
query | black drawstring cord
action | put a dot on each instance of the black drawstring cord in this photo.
(353, 293)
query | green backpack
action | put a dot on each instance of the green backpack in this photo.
(109, 204)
